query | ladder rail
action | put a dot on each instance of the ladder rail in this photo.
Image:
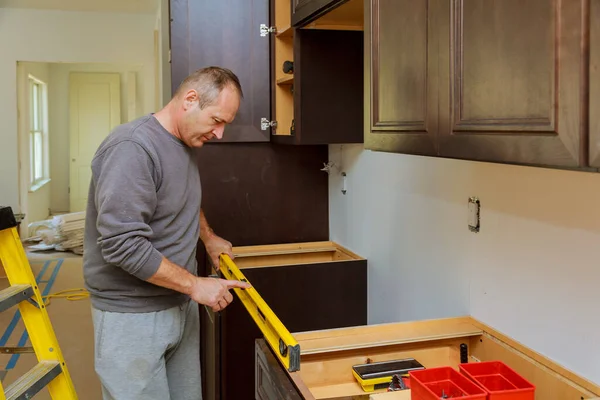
(34, 314)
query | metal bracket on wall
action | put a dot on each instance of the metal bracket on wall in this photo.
(474, 214)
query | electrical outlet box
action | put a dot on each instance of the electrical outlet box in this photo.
(474, 214)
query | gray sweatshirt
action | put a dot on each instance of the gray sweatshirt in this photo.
(143, 203)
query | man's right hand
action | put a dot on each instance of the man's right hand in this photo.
(214, 292)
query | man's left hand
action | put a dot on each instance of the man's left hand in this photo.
(215, 246)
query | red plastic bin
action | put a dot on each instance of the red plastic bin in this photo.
(499, 380)
(432, 383)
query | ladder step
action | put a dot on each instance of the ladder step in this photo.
(14, 295)
(33, 381)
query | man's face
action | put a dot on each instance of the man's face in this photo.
(198, 126)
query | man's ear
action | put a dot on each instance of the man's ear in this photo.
(190, 97)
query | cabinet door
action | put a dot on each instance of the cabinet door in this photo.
(305, 11)
(227, 34)
(401, 69)
(512, 88)
(270, 380)
(594, 108)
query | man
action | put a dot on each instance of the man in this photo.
(143, 222)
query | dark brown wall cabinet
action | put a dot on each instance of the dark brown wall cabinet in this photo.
(301, 87)
(480, 80)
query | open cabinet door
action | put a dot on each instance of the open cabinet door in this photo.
(202, 34)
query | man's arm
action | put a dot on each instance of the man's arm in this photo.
(212, 292)
(215, 245)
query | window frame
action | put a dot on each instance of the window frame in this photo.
(39, 171)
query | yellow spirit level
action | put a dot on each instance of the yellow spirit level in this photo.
(279, 338)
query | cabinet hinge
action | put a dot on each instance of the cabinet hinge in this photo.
(265, 124)
(264, 29)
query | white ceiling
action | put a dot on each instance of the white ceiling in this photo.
(127, 6)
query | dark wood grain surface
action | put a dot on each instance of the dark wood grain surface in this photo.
(226, 33)
(401, 69)
(516, 87)
(253, 194)
(328, 105)
(304, 297)
(271, 381)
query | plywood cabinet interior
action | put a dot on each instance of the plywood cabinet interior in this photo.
(500, 81)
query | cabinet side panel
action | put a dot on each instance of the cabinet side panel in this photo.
(227, 34)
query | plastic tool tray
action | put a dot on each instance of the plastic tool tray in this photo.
(499, 381)
(379, 375)
(443, 383)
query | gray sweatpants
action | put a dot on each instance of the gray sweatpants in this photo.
(149, 356)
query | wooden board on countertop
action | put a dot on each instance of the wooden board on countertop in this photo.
(400, 395)
(385, 335)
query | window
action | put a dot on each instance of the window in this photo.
(38, 138)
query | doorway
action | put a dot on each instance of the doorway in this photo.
(80, 104)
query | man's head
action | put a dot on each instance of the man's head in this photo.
(204, 103)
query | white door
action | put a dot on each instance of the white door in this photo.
(95, 110)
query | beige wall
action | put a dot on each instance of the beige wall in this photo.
(59, 116)
(60, 36)
(532, 272)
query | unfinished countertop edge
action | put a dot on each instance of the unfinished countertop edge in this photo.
(536, 358)
(293, 248)
(387, 334)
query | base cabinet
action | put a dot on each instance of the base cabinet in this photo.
(309, 286)
(327, 358)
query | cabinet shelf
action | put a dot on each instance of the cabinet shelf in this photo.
(285, 32)
(286, 80)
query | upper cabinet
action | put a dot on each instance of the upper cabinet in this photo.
(501, 81)
(301, 86)
(514, 82)
(402, 57)
(317, 82)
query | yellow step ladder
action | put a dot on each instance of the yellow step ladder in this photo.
(51, 370)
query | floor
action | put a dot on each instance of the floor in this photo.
(71, 321)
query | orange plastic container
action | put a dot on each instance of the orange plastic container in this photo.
(499, 380)
(433, 383)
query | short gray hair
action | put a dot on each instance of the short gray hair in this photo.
(209, 82)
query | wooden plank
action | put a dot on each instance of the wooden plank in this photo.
(385, 335)
(400, 395)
